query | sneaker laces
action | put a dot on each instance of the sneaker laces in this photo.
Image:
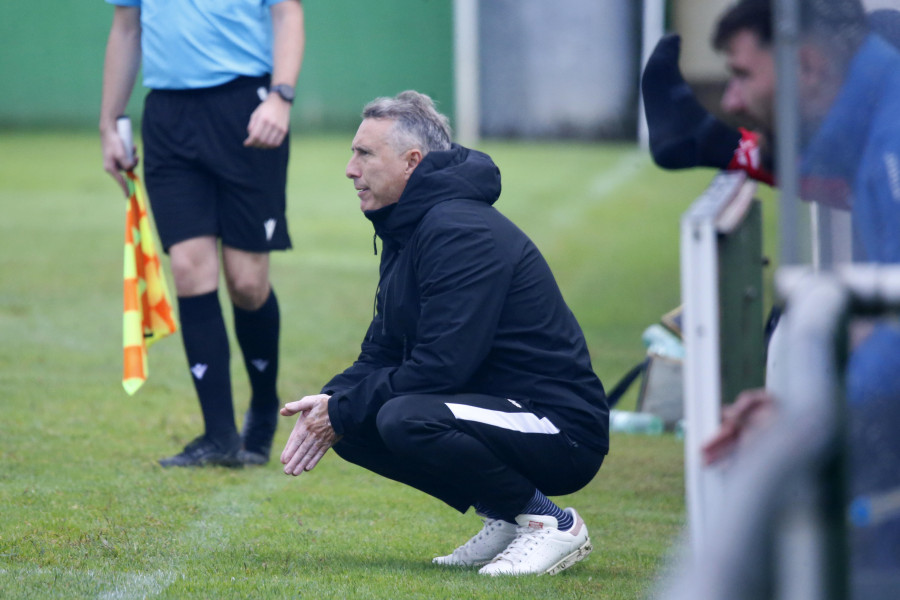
(490, 525)
(525, 541)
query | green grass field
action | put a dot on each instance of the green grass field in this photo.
(85, 511)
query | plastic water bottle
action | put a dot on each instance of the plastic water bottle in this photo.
(660, 340)
(624, 421)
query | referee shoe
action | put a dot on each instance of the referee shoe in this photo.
(202, 451)
(256, 437)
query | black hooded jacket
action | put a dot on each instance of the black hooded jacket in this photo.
(467, 304)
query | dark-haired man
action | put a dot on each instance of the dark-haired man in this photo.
(683, 134)
(849, 108)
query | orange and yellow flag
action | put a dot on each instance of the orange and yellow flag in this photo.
(148, 314)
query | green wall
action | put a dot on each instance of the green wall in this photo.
(51, 59)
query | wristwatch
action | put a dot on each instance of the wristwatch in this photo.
(285, 91)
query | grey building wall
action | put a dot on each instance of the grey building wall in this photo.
(559, 69)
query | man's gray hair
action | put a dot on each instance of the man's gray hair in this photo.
(417, 124)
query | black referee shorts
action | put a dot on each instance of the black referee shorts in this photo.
(200, 178)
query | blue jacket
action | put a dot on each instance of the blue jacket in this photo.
(467, 304)
(859, 143)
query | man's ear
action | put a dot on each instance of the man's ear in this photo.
(413, 158)
(819, 80)
(814, 67)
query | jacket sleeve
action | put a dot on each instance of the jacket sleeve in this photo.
(878, 212)
(462, 280)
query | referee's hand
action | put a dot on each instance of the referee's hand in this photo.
(269, 123)
(115, 158)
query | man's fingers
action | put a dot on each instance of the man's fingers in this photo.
(302, 453)
(310, 465)
(740, 418)
(256, 131)
(293, 456)
(305, 403)
(722, 444)
(311, 436)
(310, 456)
(266, 138)
(713, 453)
(296, 447)
(268, 126)
(295, 440)
(123, 184)
(292, 408)
(299, 459)
(747, 406)
(289, 448)
(288, 410)
(134, 161)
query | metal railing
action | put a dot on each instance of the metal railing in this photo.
(780, 530)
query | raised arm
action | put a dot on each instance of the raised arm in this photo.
(683, 134)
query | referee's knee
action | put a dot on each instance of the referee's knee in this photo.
(248, 293)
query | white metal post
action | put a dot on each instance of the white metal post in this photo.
(653, 27)
(719, 209)
(466, 71)
(702, 385)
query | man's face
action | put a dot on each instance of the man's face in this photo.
(378, 171)
(750, 93)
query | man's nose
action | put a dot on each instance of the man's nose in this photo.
(732, 102)
(352, 172)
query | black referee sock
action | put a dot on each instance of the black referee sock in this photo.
(257, 334)
(206, 346)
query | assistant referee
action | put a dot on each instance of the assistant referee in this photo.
(215, 132)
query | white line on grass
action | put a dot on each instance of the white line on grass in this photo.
(570, 210)
(624, 170)
(137, 585)
(230, 507)
(115, 585)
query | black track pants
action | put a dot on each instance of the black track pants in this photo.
(471, 448)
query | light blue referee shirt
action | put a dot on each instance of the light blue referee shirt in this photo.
(190, 44)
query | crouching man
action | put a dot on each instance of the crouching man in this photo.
(474, 383)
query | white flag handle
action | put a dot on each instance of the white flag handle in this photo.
(123, 127)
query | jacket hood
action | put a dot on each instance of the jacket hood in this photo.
(457, 173)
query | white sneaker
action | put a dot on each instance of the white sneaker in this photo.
(541, 548)
(484, 545)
